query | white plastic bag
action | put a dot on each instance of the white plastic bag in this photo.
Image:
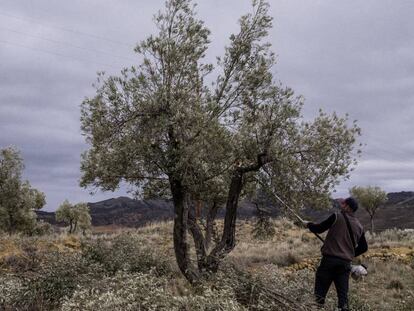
(358, 271)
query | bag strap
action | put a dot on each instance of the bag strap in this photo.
(350, 230)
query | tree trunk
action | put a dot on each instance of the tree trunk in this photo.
(181, 246)
(183, 221)
(11, 224)
(198, 238)
(228, 240)
(211, 216)
(70, 227)
(372, 223)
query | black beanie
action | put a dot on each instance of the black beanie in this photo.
(352, 203)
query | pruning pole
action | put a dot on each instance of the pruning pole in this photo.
(296, 215)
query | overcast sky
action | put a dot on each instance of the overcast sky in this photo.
(353, 57)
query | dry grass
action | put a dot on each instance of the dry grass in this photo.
(288, 258)
(290, 245)
(16, 245)
(390, 259)
(390, 283)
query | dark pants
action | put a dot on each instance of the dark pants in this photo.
(333, 269)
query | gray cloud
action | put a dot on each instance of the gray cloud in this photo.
(353, 57)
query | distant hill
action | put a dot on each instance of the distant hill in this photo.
(124, 211)
(398, 212)
(401, 198)
(128, 212)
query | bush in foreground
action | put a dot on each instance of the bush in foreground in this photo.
(140, 291)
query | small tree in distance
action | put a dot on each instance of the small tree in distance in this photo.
(370, 198)
(84, 218)
(76, 216)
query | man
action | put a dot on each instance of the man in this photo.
(338, 251)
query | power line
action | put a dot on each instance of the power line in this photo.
(31, 20)
(65, 43)
(57, 54)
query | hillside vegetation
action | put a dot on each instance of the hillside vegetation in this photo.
(135, 269)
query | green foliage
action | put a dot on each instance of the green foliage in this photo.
(84, 222)
(264, 229)
(266, 291)
(392, 235)
(55, 276)
(38, 227)
(161, 121)
(42, 228)
(10, 289)
(230, 289)
(161, 127)
(146, 292)
(65, 213)
(76, 216)
(58, 277)
(18, 199)
(46, 277)
(125, 252)
(370, 198)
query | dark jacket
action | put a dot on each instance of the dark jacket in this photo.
(338, 241)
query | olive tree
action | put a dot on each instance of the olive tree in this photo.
(76, 216)
(84, 222)
(370, 198)
(165, 130)
(18, 200)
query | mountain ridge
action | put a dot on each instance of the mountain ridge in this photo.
(398, 212)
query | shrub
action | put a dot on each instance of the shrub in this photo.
(284, 224)
(285, 259)
(391, 235)
(42, 228)
(124, 252)
(395, 284)
(24, 257)
(264, 291)
(10, 288)
(264, 229)
(142, 291)
(358, 304)
(58, 276)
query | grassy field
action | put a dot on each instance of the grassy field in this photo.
(134, 269)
